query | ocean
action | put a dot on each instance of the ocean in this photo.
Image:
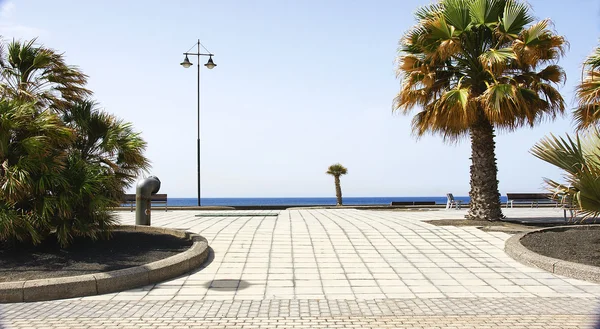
(183, 202)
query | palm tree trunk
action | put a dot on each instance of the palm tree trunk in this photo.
(485, 198)
(338, 190)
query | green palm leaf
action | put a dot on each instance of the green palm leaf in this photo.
(580, 159)
(456, 13)
(486, 12)
(35, 73)
(497, 58)
(427, 12)
(514, 18)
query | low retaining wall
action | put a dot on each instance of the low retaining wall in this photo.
(292, 207)
(113, 281)
(516, 250)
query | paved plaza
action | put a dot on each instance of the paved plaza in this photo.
(335, 268)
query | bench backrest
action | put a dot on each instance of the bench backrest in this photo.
(528, 196)
(129, 197)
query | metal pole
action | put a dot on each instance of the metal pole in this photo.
(199, 203)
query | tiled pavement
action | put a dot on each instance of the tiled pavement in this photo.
(344, 268)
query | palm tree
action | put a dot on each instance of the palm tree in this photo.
(104, 140)
(104, 160)
(33, 73)
(587, 114)
(336, 170)
(580, 159)
(63, 162)
(32, 159)
(474, 67)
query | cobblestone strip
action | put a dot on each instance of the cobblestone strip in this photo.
(418, 322)
(304, 307)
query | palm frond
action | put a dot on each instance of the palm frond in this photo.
(486, 12)
(337, 170)
(564, 153)
(580, 159)
(586, 116)
(36, 73)
(456, 13)
(497, 59)
(427, 12)
(514, 19)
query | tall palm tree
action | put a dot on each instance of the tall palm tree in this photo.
(587, 114)
(337, 170)
(474, 67)
(33, 73)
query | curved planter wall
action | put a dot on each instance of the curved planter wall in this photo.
(516, 250)
(114, 281)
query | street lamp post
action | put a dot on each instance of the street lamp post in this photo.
(210, 64)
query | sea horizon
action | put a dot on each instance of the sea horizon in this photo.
(293, 201)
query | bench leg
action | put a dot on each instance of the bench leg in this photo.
(571, 215)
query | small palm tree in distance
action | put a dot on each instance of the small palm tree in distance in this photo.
(337, 170)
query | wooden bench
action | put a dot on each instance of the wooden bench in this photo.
(530, 198)
(412, 203)
(156, 198)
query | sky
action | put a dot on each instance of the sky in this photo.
(299, 85)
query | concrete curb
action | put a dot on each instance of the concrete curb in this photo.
(113, 281)
(516, 250)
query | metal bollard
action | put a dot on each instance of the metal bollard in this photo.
(143, 197)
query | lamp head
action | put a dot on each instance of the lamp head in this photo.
(210, 64)
(186, 62)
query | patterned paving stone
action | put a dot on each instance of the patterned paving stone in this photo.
(335, 268)
(414, 322)
(349, 254)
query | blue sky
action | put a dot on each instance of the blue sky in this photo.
(299, 85)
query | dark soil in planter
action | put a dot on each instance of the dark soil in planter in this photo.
(578, 245)
(125, 249)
